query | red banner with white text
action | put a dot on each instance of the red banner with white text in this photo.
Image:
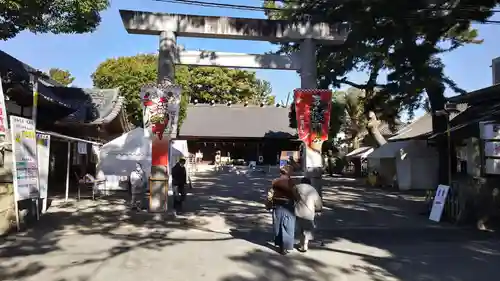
(312, 108)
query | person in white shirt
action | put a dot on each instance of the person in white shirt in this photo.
(137, 185)
(306, 207)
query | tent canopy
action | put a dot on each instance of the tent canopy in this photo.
(118, 157)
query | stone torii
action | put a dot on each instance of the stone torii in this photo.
(169, 26)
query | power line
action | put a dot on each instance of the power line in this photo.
(220, 5)
(264, 9)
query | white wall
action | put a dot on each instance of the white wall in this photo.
(404, 173)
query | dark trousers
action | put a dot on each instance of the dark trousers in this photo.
(284, 226)
(179, 195)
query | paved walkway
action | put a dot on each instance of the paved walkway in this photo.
(224, 233)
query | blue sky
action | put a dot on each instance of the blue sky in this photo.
(81, 54)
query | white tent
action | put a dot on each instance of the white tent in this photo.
(118, 157)
(412, 163)
(179, 149)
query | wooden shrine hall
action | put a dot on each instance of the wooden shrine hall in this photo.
(241, 133)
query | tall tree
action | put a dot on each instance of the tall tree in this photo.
(401, 38)
(264, 95)
(56, 16)
(204, 84)
(62, 76)
(356, 121)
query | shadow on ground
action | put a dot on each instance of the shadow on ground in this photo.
(105, 229)
(381, 231)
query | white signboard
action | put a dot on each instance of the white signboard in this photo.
(82, 148)
(43, 155)
(3, 112)
(490, 131)
(438, 204)
(25, 168)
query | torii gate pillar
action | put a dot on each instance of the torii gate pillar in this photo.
(312, 163)
(308, 73)
(167, 56)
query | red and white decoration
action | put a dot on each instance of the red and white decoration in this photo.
(160, 105)
(312, 107)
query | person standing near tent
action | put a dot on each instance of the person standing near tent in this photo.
(137, 186)
(179, 179)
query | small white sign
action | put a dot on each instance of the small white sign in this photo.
(43, 156)
(438, 204)
(82, 148)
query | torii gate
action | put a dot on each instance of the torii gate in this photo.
(169, 26)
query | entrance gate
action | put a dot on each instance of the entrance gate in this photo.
(169, 26)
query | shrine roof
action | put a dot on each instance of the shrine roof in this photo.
(95, 106)
(76, 105)
(236, 121)
(422, 126)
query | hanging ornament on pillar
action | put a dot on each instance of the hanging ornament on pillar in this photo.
(160, 104)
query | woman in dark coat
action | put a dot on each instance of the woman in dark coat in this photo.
(281, 198)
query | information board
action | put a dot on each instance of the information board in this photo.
(25, 166)
(439, 202)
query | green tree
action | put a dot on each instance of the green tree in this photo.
(56, 16)
(263, 94)
(204, 84)
(62, 76)
(355, 123)
(402, 38)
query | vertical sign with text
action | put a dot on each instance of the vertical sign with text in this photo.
(25, 168)
(43, 155)
(312, 107)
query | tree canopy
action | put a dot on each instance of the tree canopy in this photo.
(56, 16)
(403, 39)
(203, 84)
(62, 76)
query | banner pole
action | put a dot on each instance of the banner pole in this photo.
(16, 209)
(34, 113)
(67, 172)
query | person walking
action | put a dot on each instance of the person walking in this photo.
(179, 179)
(308, 204)
(281, 198)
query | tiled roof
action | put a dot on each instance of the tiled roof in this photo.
(95, 106)
(236, 121)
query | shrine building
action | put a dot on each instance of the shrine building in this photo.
(242, 133)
